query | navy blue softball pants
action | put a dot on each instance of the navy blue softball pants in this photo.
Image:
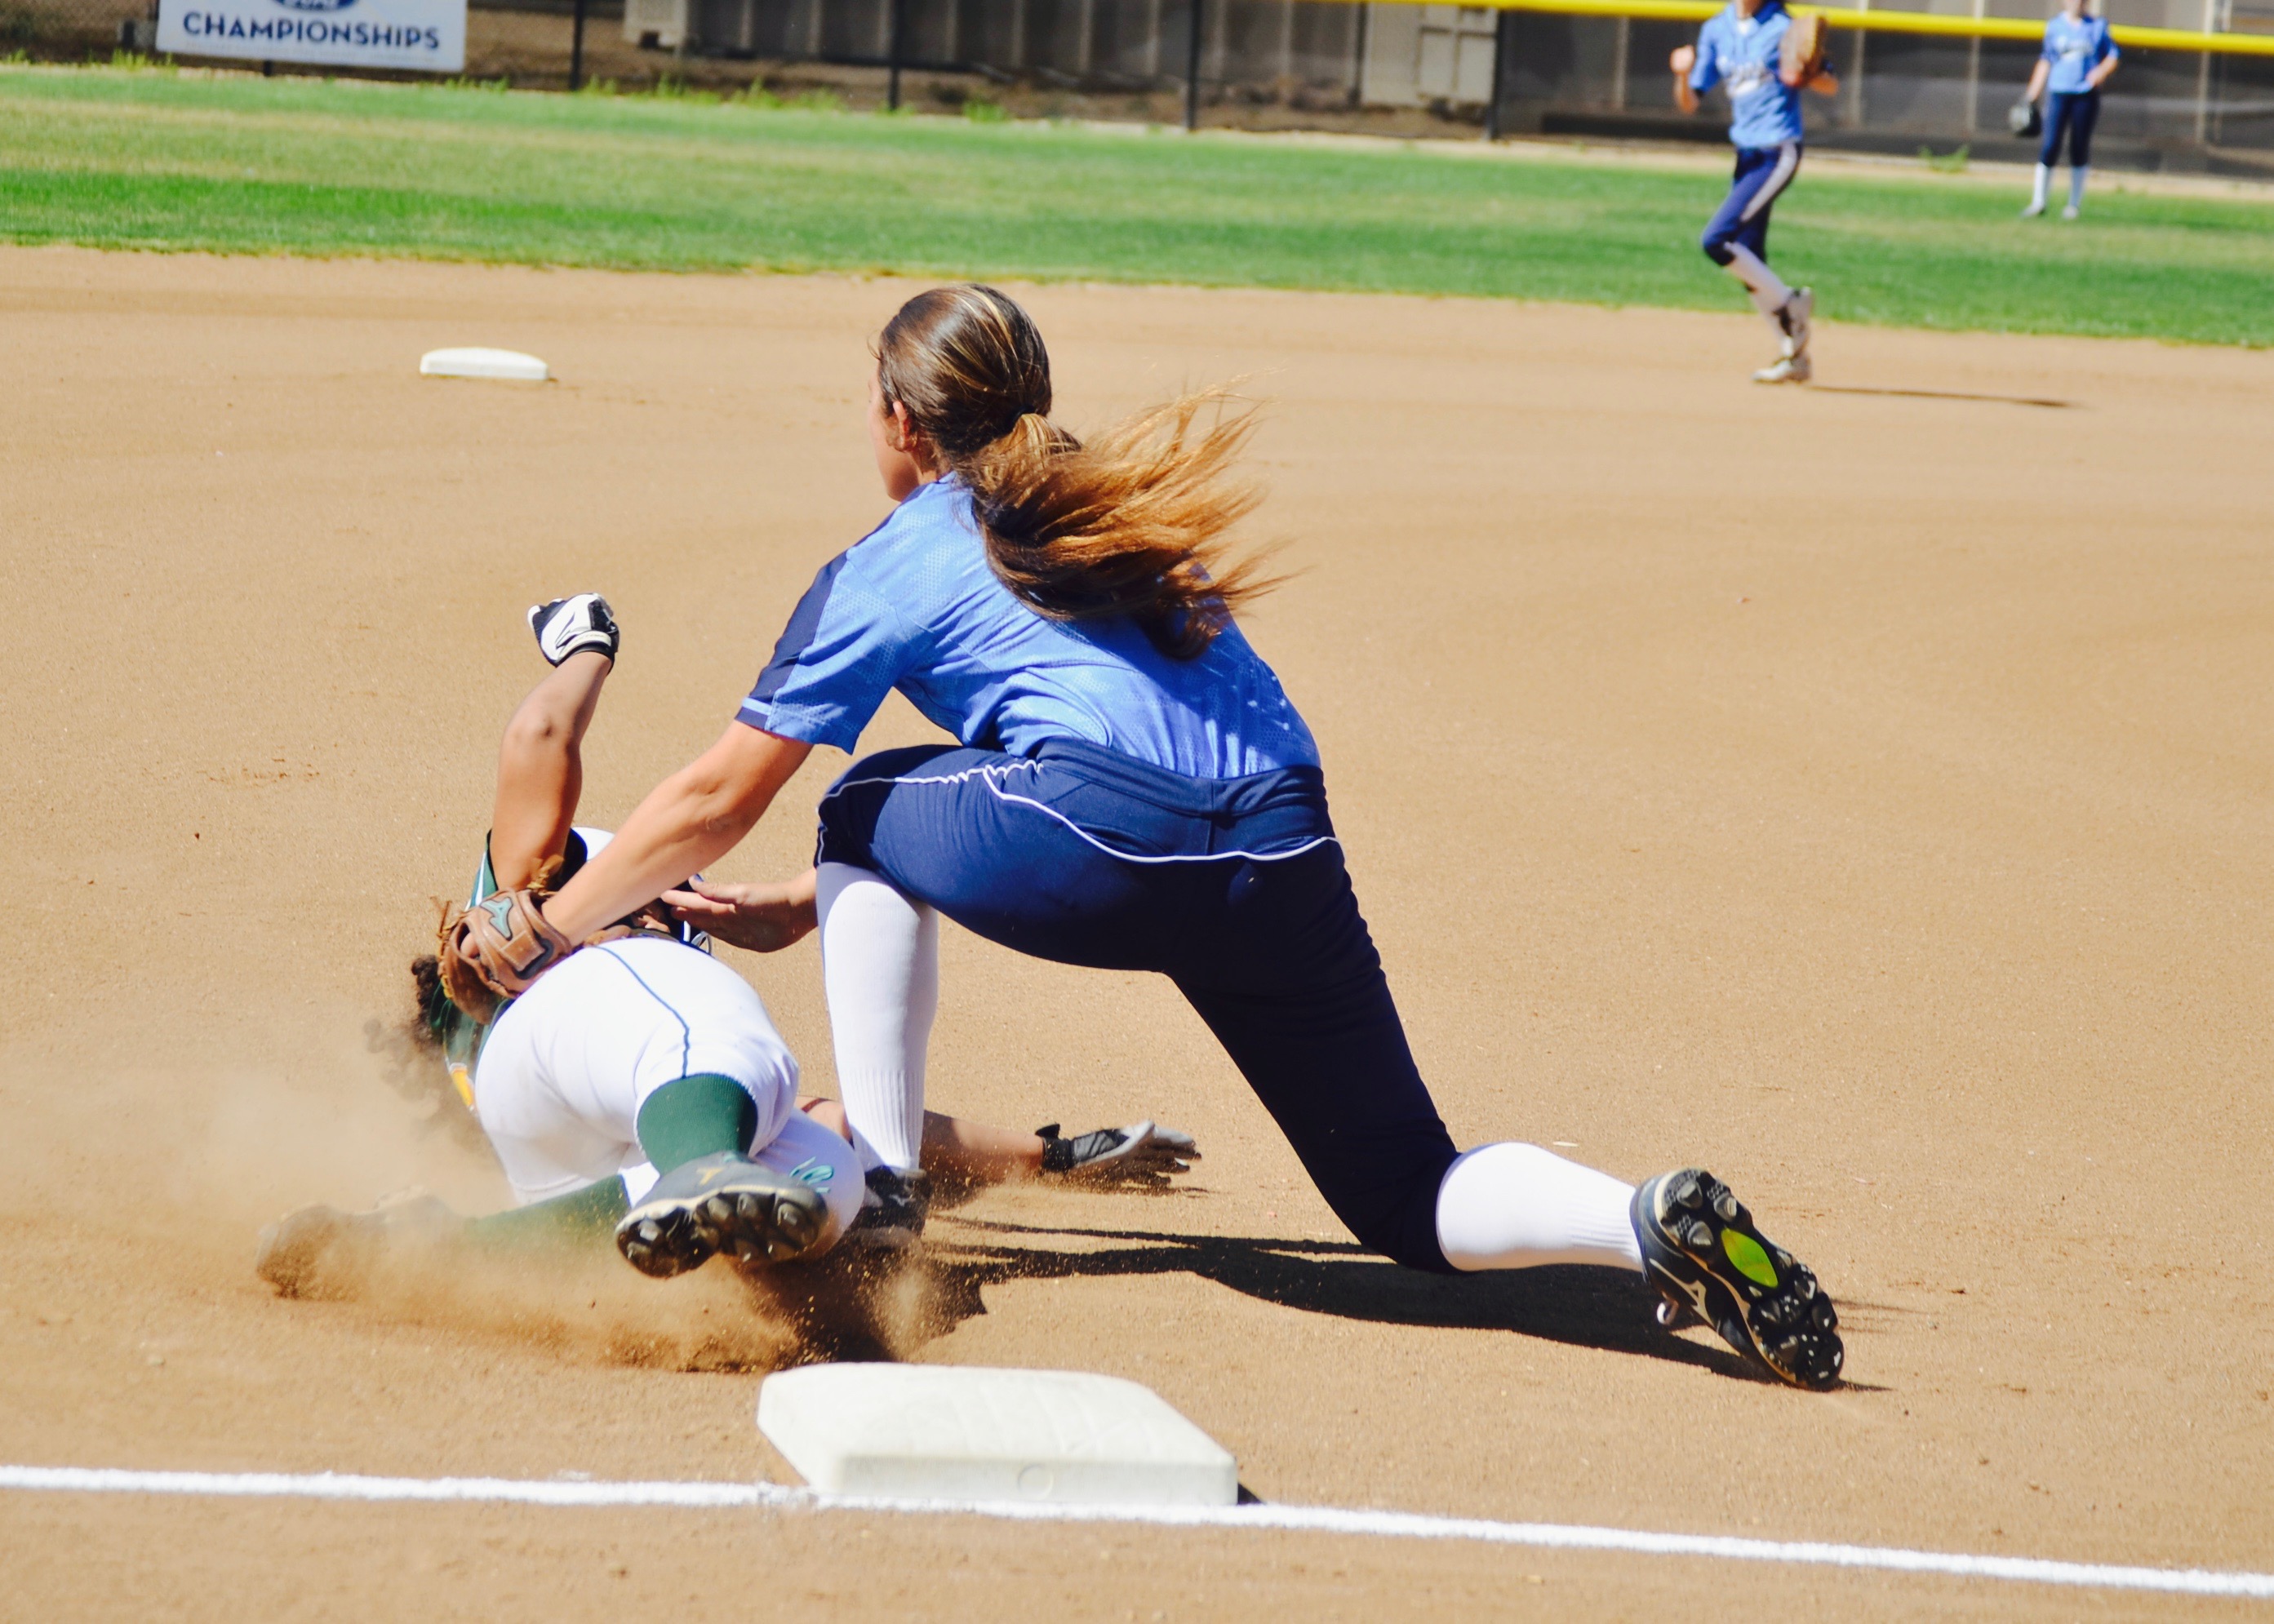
(1232, 888)
(2072, 113)
(1758, 180)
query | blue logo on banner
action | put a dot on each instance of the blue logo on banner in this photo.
(316, 6)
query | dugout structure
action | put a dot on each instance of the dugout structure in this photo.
(2195, 92)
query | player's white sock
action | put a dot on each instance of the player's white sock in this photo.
(1504, 1207)
(1767, 289)
(2044, 185)
(2077, 173)
(880, 968)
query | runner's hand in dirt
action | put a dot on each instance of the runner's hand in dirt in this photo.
(764, 918)
(1144, 1153)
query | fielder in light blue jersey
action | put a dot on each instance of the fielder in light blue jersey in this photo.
(1742, 48)
(2078, 57)
(914, 605)
(1124, 786)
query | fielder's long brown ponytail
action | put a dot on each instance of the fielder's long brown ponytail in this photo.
(1134, 522)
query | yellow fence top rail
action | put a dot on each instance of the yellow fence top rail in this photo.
(1894, 22)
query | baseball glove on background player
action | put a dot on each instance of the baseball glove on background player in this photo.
(2024, 119)
(490, 953)
(1801, 55)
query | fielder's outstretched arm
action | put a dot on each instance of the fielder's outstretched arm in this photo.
(764, 916)
(687, 821)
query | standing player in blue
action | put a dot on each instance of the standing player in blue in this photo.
(1130, 789)
(2075, 62)
(1741, 47)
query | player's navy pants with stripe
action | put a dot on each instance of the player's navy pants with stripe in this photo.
(1233, 887)
(1762, 173)
(2072, 113)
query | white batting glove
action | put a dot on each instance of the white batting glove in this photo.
(579, 625)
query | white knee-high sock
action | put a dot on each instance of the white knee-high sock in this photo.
(2044, 185)
(2077, 173)
(1506, 1207)
(880, 967)
(1768, 290)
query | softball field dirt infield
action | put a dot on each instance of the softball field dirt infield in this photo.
(1864, 792)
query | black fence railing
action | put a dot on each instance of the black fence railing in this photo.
(1393, 69)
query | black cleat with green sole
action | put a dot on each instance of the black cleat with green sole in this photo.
(721, 1203)
(1704, 1256)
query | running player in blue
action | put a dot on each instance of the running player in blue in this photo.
(2075, 62)
(1127, 786)
(1740, 47)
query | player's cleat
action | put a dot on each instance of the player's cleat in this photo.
(2033, 211)
(1704, 1256)
(580, 624)
(1794, 319)
(1142, 1154)
(893, 1211)
(1791, 369)
(721, 1203)
(2069, 211)
(321, 1252)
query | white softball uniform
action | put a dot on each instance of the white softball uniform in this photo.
(568, 1065)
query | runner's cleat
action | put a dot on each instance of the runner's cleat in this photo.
(892, 1213)
(1792, 369)
(321, 1252)
(2033, 211)
(721, 1203)
(1701, 1251)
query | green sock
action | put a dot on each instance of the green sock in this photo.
(576, 1219)
(681, 1121)
(695, 1116)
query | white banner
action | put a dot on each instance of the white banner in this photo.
(428, 34)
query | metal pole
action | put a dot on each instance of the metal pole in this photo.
(1860, 62)
(1499, 74)
(899, 13)
(1192, 69)
(1358, 53)
(2202, 78)
(1974, 72)
(577, 49)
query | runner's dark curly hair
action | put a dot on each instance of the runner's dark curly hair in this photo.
(416, 1048)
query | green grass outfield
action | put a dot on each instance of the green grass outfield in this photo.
(238, 164)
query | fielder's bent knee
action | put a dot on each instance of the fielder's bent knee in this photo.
(1400, 1221)
(1716, 248)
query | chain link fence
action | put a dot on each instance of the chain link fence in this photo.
(2163, 109)
(1400, 70)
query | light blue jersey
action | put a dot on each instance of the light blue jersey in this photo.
(915, 606)
(1741, 52)
(2074, 48)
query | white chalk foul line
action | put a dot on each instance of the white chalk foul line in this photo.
(1293, 1519)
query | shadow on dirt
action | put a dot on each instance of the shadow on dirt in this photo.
(1944, 395)
(887, 1307)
